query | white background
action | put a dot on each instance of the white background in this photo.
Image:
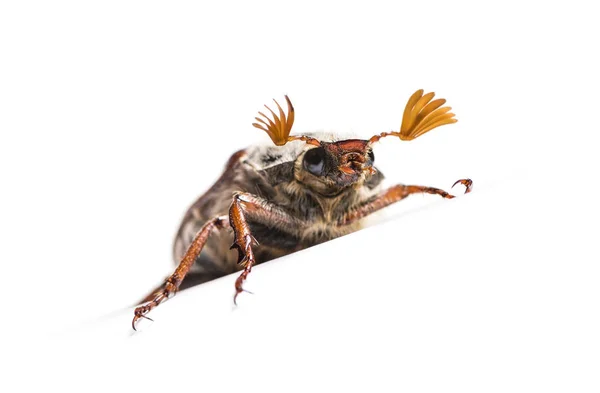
(115, 116)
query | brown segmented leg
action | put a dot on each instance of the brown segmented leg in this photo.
(395, 194)
(247, 206)
(174, 281)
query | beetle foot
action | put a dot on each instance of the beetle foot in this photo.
(468, 183)
(141, 311)
(239, 285)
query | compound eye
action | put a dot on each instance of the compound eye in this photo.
(372, 156)
(314, 161)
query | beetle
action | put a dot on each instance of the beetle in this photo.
(275, 200)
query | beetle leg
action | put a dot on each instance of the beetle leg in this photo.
(246, 206)
(174, 280)
(243, 240)
(395, 194)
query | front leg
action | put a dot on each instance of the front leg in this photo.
(395, 194)
(242, 240)
(244, 207)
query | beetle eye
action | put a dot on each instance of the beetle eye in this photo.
(372, 156)
(314, 161)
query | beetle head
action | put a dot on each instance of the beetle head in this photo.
(330, 167)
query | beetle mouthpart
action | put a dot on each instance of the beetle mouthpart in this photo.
(346, 169)
(371, 170)
(350, 158)
(355, 167)
(353, 163)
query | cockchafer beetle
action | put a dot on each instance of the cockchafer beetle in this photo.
(274, 200)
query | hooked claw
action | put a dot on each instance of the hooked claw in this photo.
(138, 315)
(468, 183)
(238, 286)
(237, 292)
